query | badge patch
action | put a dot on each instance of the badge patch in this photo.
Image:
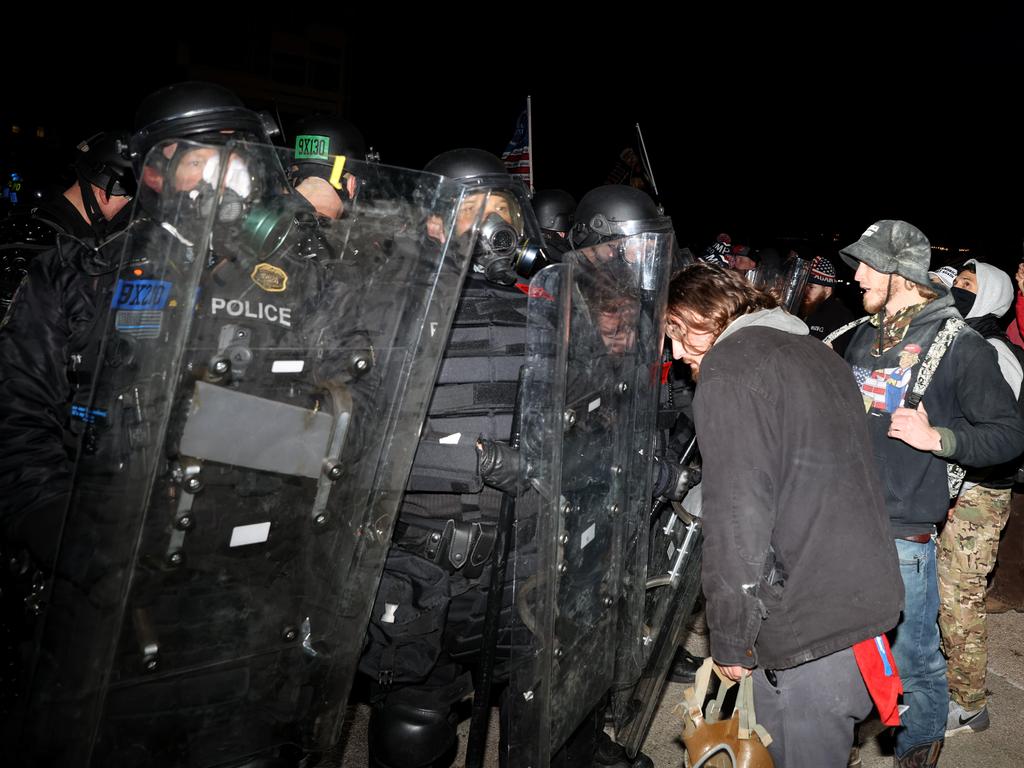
(141, 295)
(141, 325)
(270, 278)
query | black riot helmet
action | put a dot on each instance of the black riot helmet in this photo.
(616, 210)
(555, 209)
(468, 165)
(103, 160)
(323, 143)
(198, 111)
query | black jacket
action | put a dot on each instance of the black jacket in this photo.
(968, 401)
(799, 561)
(47, 351)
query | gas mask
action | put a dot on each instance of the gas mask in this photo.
(244, 225)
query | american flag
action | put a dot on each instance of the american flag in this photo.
(517, 154)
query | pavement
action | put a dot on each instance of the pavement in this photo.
(1001, 746)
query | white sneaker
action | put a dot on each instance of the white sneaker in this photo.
(960, 719)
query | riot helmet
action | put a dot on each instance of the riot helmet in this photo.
(102, 161)
(555, 209)
(613, 211)
(496, 210)
(323, 144)
(198, 111)
(467, 165)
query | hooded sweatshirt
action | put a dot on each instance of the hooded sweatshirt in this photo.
(991, 302)
(968, 401)
(799, 560)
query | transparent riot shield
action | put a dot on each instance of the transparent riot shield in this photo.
(673, 585)
(265, 373)
(588, 404)
(786, 282)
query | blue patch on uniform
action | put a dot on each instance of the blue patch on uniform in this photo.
(137, 295)
(88, 415)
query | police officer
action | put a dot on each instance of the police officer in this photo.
(603, 213)
(49, 351)
(84, 211)
(555, 209)
(425, 632)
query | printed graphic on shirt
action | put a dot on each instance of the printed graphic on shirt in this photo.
(885, 389)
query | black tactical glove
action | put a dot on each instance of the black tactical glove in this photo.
(671, 480)
(498, 465)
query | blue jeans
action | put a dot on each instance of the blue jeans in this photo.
(915, 646)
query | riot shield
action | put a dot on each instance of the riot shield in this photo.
(588, 403)
(786, 282)
(673, 585)
(264, 377)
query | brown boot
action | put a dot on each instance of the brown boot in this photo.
(994, 605)
(921, 756)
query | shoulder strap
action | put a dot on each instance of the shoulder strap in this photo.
(845, 328)
(936, 351)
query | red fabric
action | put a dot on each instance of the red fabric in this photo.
(665, 369)
(534, 291)
(1013, 332)
(880, 676)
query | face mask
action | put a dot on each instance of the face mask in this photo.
(963, 299)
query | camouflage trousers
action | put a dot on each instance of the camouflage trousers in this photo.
(967, 555)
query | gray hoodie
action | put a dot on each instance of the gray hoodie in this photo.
(995, 295)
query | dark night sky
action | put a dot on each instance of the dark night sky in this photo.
(759, 126)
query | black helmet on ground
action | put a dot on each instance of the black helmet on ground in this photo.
(616, 210)
(555, 209)
(197, 111)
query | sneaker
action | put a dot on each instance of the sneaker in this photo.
(961, 719)
(684, 667)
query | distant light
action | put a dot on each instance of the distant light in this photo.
(964, 250)
(40, 132)
(38, 193)
(15, 129)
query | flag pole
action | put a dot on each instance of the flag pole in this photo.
(529, 136)
(646, 160)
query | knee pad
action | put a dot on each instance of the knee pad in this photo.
(407, 736)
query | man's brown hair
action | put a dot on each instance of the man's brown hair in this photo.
(716, 294)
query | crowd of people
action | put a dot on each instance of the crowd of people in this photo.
(855, 474)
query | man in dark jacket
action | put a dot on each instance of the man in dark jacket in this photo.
(798, 560)
(967, 415)
(822, 311)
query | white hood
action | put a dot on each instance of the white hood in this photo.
(995, 291)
